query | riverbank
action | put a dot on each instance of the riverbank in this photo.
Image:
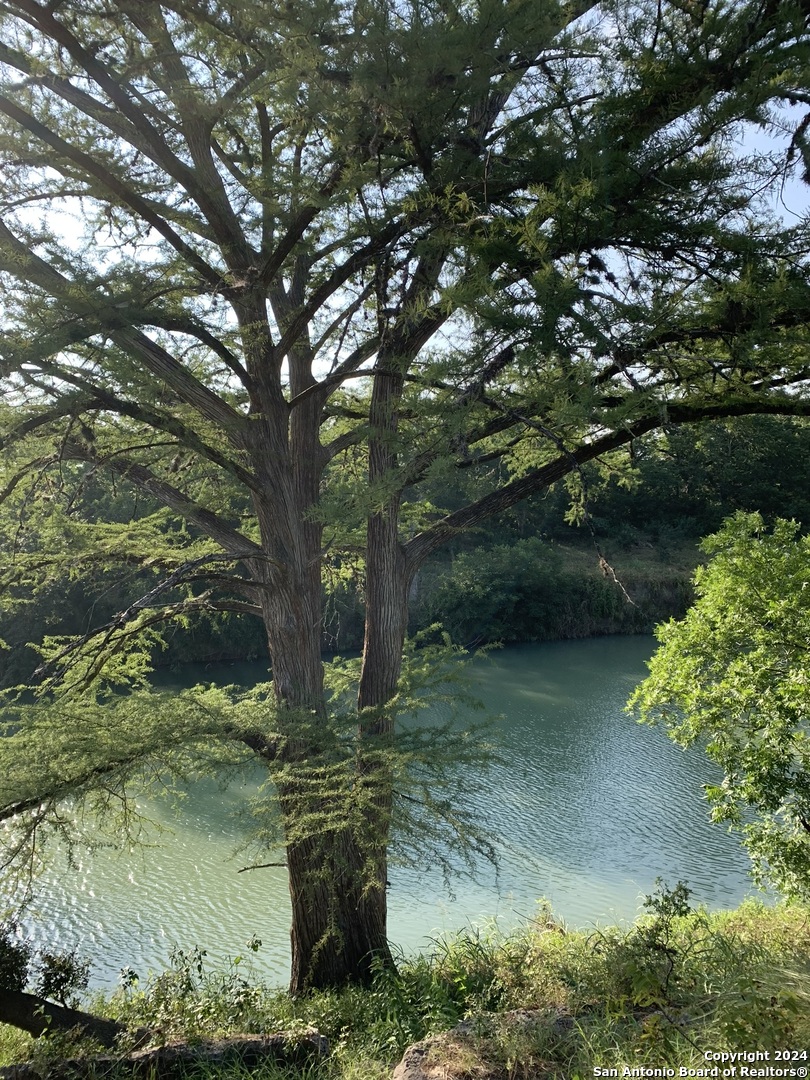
(528, 590)
(676, 987)
(534, 590)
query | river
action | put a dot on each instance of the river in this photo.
(590, 807)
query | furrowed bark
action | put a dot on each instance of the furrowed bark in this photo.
(335, 931)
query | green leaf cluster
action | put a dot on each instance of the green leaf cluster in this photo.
(73, 768)
(733, 677)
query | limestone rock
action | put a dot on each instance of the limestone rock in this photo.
(454, 1054)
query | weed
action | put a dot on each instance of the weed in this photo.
(543, 1002)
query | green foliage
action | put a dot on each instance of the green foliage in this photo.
(464, 973)
(687, 480)
(62, 976)
(501, 593)
(190, 999)
(733, 676)
(678, 982)
(15, 957)
(418, 762)
(643, 965)
(58, 976)
(53, 753)
(82, 552)
(681, 978)
(533, 590)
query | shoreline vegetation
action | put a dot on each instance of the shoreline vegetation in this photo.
(616, 558)
(529, 589)
(546, 1001)
(543, 1002)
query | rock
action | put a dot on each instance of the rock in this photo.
(411, 1066)
(439, 1057)
(455, 1053)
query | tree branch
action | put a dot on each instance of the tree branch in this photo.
(96, 398)
(116, 187)
(196, 126)
(231, 540)
(18, 259)
(136, 111)
(38, 1016)
(423, 544)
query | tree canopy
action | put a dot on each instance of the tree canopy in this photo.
(733, 676)
(274, 267)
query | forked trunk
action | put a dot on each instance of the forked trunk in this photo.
(336, 810)
(337, 813)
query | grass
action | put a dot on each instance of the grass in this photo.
(544, 1002)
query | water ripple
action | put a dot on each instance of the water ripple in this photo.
(589, 808)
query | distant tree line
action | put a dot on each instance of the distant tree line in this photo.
(532, 574)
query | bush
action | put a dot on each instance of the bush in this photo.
(15, 958)
(529, 591)
(59, 976)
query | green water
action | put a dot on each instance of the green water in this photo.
(589, 806)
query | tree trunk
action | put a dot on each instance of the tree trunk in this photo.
(237, 1054)
(336, 812)
(338, 901)
(37, 1016)
(360, 901)
(338, 905)
(338, 873)
(339, 913)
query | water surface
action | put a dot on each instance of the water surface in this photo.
(590, 807)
